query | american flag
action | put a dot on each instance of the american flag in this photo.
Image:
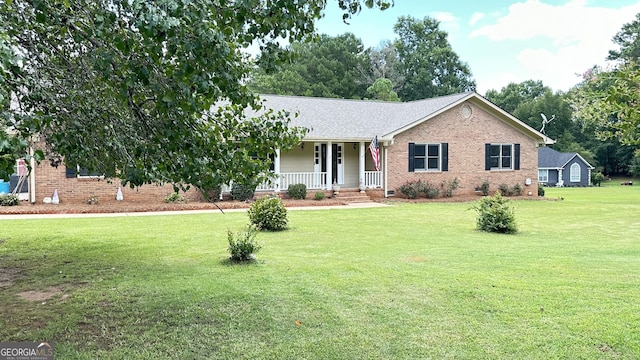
(375, 152)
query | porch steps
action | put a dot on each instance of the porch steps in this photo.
(352, 196)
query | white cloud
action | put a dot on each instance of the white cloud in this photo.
(577, 36)
(477, 16)
(445, 17)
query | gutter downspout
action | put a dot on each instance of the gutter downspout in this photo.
(32, 177)
(385, 171)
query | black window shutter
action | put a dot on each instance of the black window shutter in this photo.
(412, 155)
(516, 156)
(487, 156)
(445, 156)
(70, 172)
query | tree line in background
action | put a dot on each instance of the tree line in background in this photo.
(597, 118)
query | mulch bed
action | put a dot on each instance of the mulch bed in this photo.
(128, 207)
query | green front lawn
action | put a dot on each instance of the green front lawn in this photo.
(406, 281)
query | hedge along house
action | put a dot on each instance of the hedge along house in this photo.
(461, 136)
(562, 168)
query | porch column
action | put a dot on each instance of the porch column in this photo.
(560, 177)
(361, 165)
(276, 171)
(329, 165)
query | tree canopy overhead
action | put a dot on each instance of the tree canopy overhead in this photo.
(427, 62)
(125, 87)
(327, 67)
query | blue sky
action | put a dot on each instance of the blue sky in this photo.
(506, 41)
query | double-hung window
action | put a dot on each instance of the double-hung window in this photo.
(428, 157)
(502, 156)
(543, 176)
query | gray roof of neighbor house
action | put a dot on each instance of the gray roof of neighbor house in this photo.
(549, 158)
(360, 120)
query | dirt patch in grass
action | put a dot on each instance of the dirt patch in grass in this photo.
(8, 276)
(44, 294)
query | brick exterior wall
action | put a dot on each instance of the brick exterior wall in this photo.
(466, 137)
(78, 190)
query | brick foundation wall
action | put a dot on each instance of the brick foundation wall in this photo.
(466, 137)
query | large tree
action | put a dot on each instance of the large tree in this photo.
(628, 41)
(125, 88)
(327, 67)
(383, 64)
(426, 60)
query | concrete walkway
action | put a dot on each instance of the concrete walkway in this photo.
(180, 212)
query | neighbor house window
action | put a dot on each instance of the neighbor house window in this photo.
(502, 157)
(543, 176)
(428, 157)
(575, 173)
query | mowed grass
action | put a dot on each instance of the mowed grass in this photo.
(408, 281)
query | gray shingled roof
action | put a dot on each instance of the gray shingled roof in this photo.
(549, 158)
(333, 119)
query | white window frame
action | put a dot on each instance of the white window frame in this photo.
(427, 157)
(500, 157)
(543, 175)
(86, 176)
(575, 172)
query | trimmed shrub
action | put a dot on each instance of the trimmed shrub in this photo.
(484, 188)
(243, 191)
(174, 198)
(504, 190)
(517, 190)
(410, 190)
(449, 186)
(319, 195)
(597, 178)
(268, 213)
(540, 190)
(243, 245)
(297, 191)
(429, 190)
(495, 215)
(9, 200)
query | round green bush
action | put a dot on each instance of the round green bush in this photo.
(268, 213)
(297, 191)
(495, 215)
(243, 191)
(319, 195)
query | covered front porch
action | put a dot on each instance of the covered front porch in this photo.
(322, 164)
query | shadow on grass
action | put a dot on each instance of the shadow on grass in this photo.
(231, 262)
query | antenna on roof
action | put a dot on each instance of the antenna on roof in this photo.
(545, 121)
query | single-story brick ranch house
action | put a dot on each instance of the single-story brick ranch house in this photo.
(461, 136)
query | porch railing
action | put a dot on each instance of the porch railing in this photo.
(313, 180)
(373, 179)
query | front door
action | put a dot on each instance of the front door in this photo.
(319, 164)
(337, 163)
